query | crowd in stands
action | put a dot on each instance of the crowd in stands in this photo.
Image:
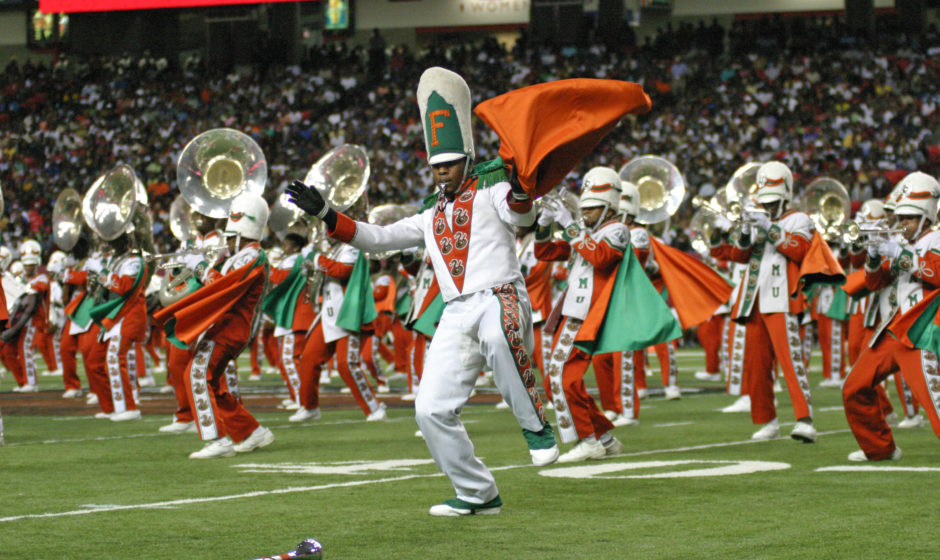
(864, 112)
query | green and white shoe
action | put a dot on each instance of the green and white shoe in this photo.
(458, 507)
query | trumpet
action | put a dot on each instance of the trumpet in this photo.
(851, 231)
(733, 211)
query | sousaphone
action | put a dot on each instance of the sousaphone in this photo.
(67, 219)
(341, 175)
(660, 184)
(218, 165)
(110, 206)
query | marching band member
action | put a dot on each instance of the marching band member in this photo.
(219, 320)
(486, 323)
(773, 249)
(910, 268)
(597, 252)
(334, 334)
(123, 322)
(383, 292)
(424, 312)
(30, 319)
(538, 284)
(289, 306)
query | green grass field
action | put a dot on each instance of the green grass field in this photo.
(76, 488)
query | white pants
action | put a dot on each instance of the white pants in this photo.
(489, 329)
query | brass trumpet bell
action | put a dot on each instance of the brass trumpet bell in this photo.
(67, 219)
(109, 205)
(341, 175)
(218, 165)
(660, 184)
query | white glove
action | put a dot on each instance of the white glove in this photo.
(874, 245)
(890, 248)
(563, 216)
(547, 214)
(722, 223)
(760, 219)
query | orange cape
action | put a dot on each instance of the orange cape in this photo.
(819, 266)
(695, 289)
(546, 129)
(188, 318)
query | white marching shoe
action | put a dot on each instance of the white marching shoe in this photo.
(860, 457)
(915, 421)
(830, 383)
(584, 450)
(261, 437)
(221, 447)
(28, 388)
(742, 404)
(147, 382)
(305, 414)
(166, 389)
(92, 398)
(770, 430)
(178, 428)
(672, 393)
(378, 415)
(126, 415)
(804, 431)
(502, 405)
(72, 394)
(705, 376)
(624, 420)
(103, 414)
(610, 414)
(409, 396)
(642, 393)
(543, 457)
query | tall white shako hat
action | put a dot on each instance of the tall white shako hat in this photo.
(629, 199)
(600, 187)
(6, 257)
(444, 103)
(919, 195)
(248, 216)
(30, 252)
(774, 182)
(891, 201)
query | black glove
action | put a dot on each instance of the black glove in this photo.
(307, 199)
(8, 335)
(518, 193)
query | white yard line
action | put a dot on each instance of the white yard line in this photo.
(297, 489)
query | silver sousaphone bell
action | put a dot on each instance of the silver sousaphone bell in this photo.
(341, 175)
(660, 184)
(110, 205)
(217, 166)
(67, 219)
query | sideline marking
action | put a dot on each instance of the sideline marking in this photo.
(726, 468)
(671, 424)
(873, 468)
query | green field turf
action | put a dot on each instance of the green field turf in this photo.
(76, 488)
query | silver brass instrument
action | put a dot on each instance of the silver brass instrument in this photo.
(383, 215)
(67, 219)
(218, 165)
(743, 183)
(560, 195)
(660, 184)
(184, 221)
(341, 175)
(286, 217)
(852, 230)
(827, 203)
(110, 203)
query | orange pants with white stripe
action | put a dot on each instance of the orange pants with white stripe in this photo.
(770, 337)
(863, 408)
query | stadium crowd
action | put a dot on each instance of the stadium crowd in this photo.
(862, 112)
